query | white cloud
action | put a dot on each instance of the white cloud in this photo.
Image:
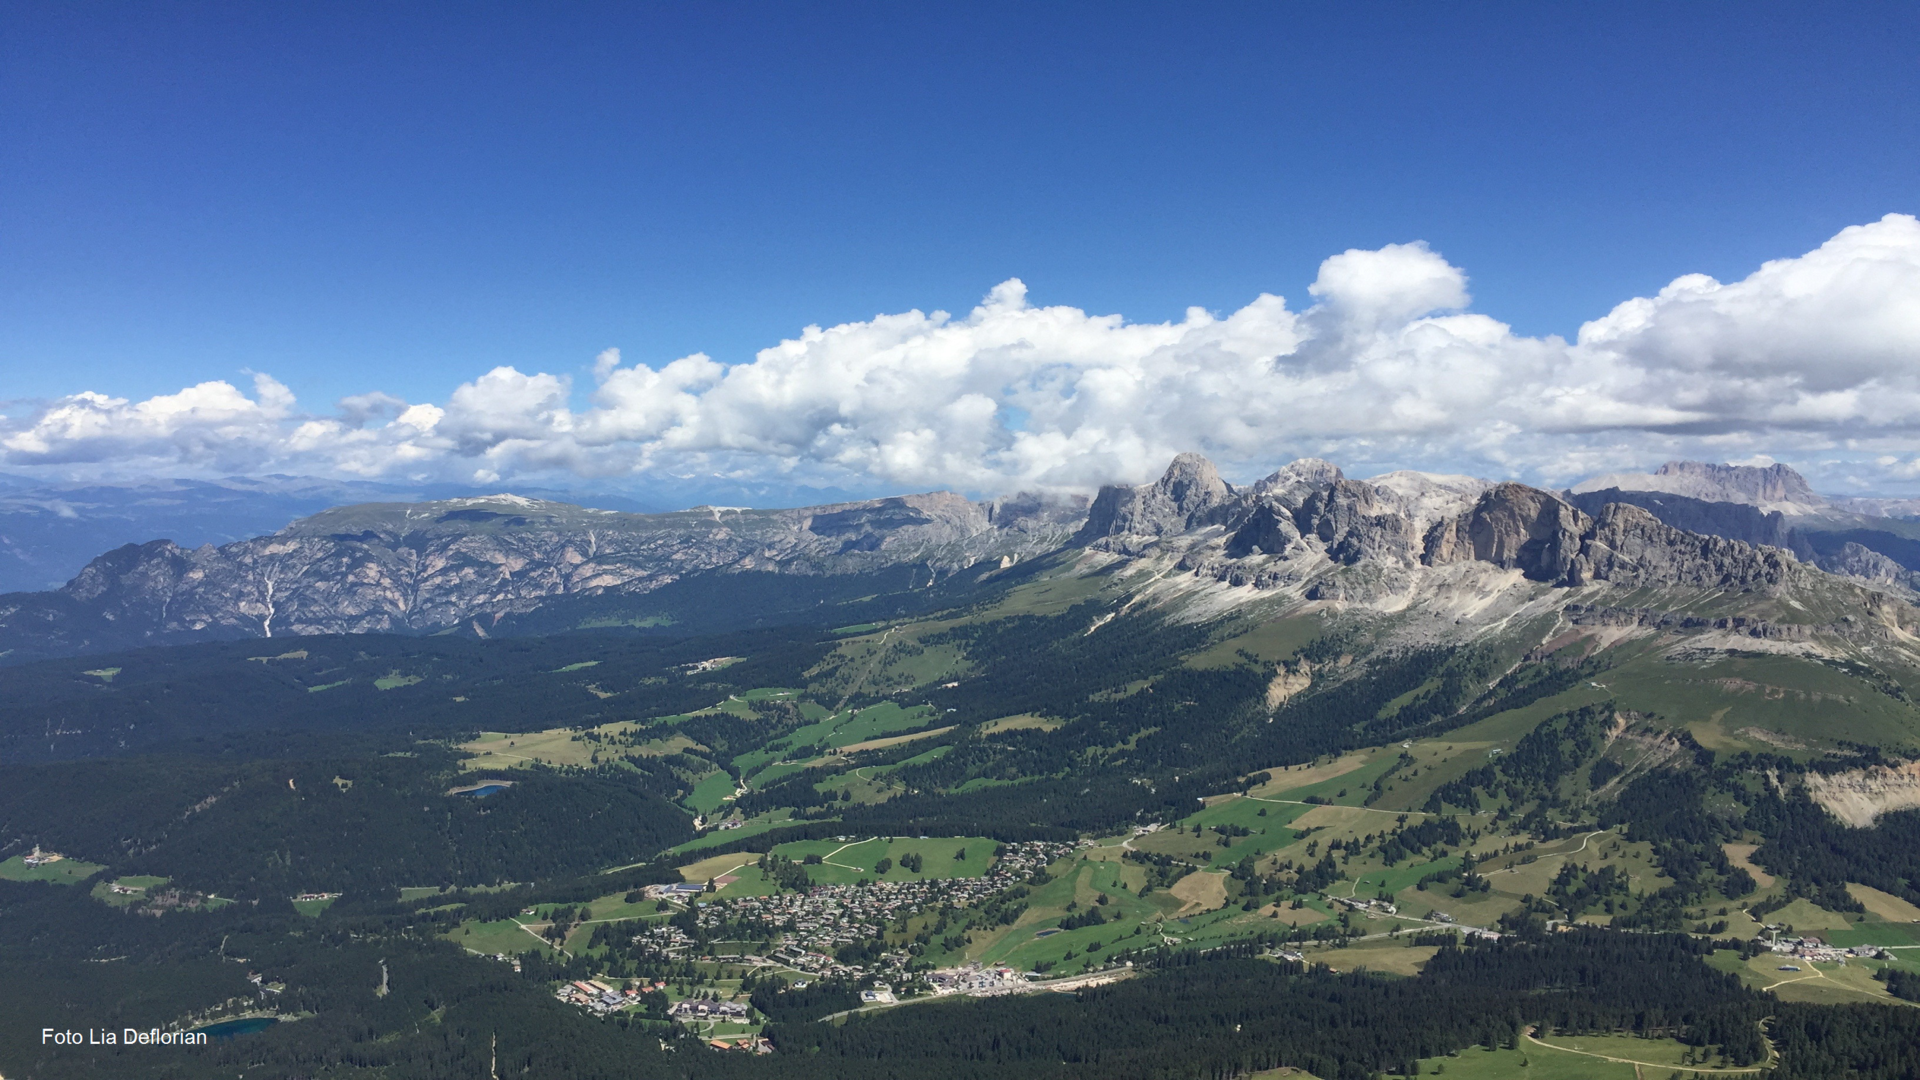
(1810, 359)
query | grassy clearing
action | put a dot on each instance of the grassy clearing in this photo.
(138, 886)
(1874, 933)
(715, 865)
(506, 936)
(1346, 781)
(312, 908)
(1268, 642)
(393, 680)
(1532, 1062)
(1741, 855)
(896, 740)
(1023, 722)
(506, 750)
(1202, 890)
(1664, 1053)
(1883, 905)
(64, 872)
(710, 793)
(1805, 915)
(717, 837)
(878, 720)
(1384, 955)
(845, 862)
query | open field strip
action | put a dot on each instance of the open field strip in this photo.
(1704, 1070)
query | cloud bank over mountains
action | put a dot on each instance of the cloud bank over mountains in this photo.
(1815, 359)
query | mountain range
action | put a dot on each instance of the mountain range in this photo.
(507, 563)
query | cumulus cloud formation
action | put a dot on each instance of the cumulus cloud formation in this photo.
(1813, 357)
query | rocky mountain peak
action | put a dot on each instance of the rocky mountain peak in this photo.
(1305, 472)
(1512, 526)
(1192, 484)
(1188, 495)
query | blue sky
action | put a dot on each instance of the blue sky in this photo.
(397, 199)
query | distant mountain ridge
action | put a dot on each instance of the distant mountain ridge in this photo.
(1771, 487)
(481, 565)
(48, 531)
(1869, 539)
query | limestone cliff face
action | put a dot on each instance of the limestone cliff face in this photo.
(1628, 546)
(1127, 519)
(1290, 526)
(1514, 527)
(1526, 529)
(1771, 487)
(1859, 796)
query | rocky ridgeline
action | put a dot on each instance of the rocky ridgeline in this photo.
(423, 567)
(1276, 531)
(414, 567)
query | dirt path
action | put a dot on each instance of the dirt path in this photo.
(1705, 1070)
(879, 655)
(528, 927)
(827, 859)
(1517, 867)
(1368, 809)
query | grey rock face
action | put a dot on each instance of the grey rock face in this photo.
(1858, 561)
(1126, 520)
(1735, 521)
(1771, 486)
(1744, 483)
(424, 566)
(1275, 529)
(1513, 527)
(1628, 546)
(1523, 528)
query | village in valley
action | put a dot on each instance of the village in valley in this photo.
(1324, 863)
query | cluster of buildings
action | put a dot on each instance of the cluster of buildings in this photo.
(811, 926)
(41, 858)
(595, 996)
(691, 1009)
(679, 891)
(826, 917)
(978, 980)
(1814, 948)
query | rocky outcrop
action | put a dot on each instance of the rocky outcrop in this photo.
(1859, 796)
(1288, 680)
(1128, 519)
(1735, 521)
(1626, 545)
(1858, 561)
(1521, 528)
(1514, 527)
